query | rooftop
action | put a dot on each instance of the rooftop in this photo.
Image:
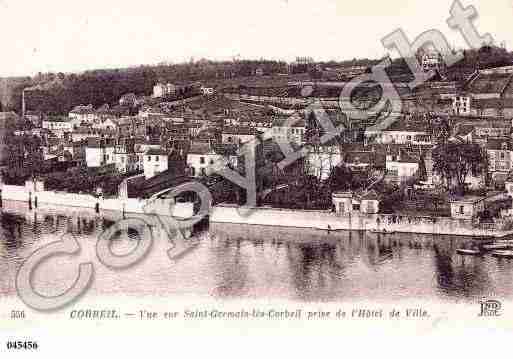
(239, 131)
(499, 144)
(156, 152)
(200, 148)
(408, 126)
(489, 83)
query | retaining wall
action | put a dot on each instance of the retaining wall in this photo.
(128, 205)
(353, 221)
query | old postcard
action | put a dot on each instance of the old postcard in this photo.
(337, 171)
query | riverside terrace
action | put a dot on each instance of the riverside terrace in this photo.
(356, 220)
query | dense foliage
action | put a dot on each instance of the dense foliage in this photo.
(454, 162)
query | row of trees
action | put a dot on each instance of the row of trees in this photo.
(59, 93)
(455, 162)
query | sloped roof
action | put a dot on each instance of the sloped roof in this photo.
(156, 152)
(494, 103)
(81, 109)
(357, 157)
(488, 83)
(226, 149)
(499, 144)
(464, 130)
(200, 148)
(408, 126)
(371, 195)
(280, 122)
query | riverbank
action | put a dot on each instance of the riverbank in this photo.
(164, 206)
(330, 221)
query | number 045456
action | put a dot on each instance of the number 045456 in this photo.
(22, 345)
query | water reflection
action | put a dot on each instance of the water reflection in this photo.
(238, 261)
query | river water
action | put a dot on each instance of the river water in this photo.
(254, 262)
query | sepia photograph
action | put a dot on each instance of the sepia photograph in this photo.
(329, 169)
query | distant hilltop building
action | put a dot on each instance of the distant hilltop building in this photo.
(129, 99)
(432, 61)
(161, 90)
(302, 64)
(304, 60)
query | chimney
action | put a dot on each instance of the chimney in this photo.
(23, 108)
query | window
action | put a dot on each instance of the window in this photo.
(211, 161)
(394, 171)
(462, 210)
(203, 171)
(502, 155)
(149, 158)
(157, 158)
(202, 160)
(370, 207)
(356, 207)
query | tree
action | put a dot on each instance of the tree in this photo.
(340, 179)
(454, 162)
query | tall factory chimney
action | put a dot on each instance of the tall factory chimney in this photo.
(23, 106)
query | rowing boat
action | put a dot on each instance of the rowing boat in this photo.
(468, 252)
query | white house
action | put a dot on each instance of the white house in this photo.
(154, 162)
(467, 207)
(207, 90)
(107, 124)
(290, 130)
(59, 126)
(125, 158)
(204, 160)
(347, 202)
(461, 104)
(83, 114)
(238, 135)
(432, 61)
(322, 159)
(500, 157)
(163, 90)
(401, 132)
(401, 165)
(99, 152)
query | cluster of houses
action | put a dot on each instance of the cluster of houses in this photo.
(150, 142)
(207, 133)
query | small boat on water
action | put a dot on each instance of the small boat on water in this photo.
(497, 246)
(503, 254)
(468, 252)
(384, 231)
(328, 229)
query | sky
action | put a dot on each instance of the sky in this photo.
(73, 36)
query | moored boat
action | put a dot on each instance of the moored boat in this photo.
(328, 229)
(503, 254)
(468, 252)
(384, 231)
